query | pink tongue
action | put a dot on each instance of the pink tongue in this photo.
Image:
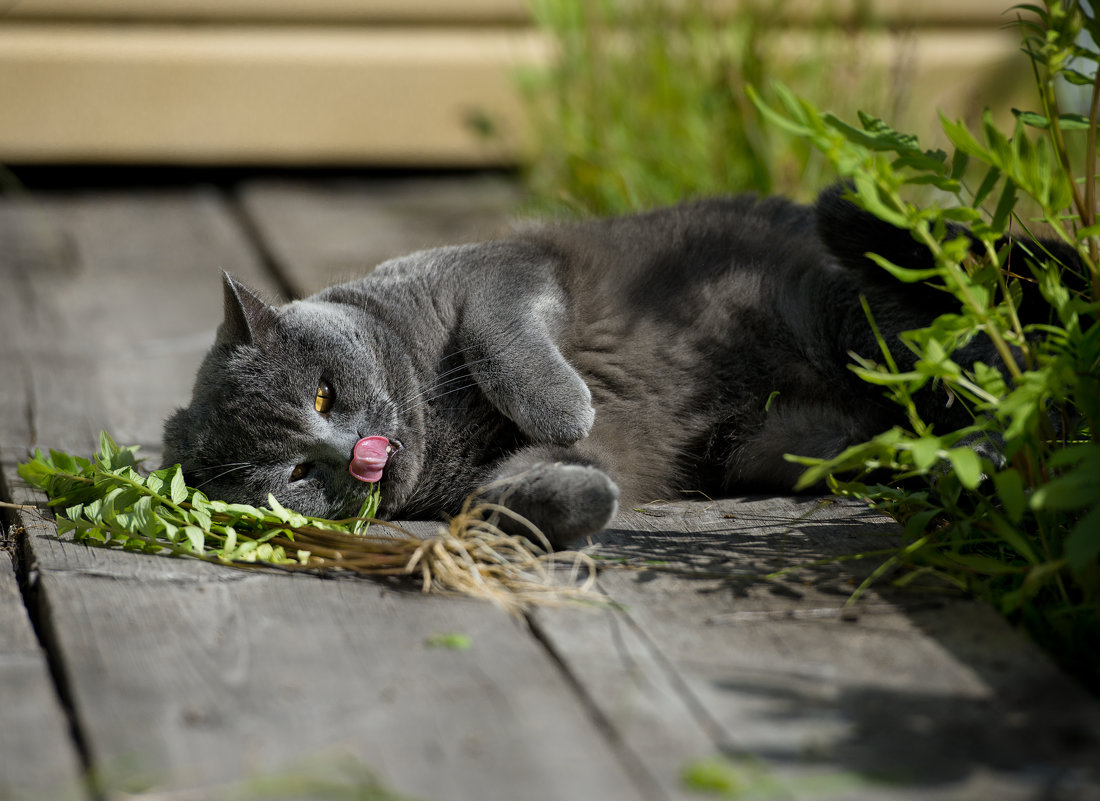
(368, 458)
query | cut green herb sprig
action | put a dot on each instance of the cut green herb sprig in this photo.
(106, 501)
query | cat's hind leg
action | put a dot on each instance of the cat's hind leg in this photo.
(758, 459)
(557, 490)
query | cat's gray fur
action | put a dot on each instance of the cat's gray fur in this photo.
(596, 363)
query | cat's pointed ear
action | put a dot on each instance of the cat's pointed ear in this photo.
(245, 314)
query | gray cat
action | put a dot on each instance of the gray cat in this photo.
(568, 367)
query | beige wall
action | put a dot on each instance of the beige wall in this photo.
(386, 82)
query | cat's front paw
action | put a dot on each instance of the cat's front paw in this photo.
(560, 414)
(566, 502)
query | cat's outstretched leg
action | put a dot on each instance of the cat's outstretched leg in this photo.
(560, 492)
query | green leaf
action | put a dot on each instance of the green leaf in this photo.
(1010, 489)
(195, 538)
(960, 214)
(967, 465)
(1013, 536)
(1077, 488)
(64, 463)
(794, 124)
(963, 140)
(1032, 119)
(35, 472)
(108, 448)
(1005, 206)
(200, 517)
(959, 163)
(986, 187)
(981, 564)
(870, 198)
(925, 452)
(1082, 546)
(277, 508)
(241, 510)
(904, 274)
(455, 642)
(1077, 79)
(230, 540)
(915, 526)
(178, 488)
(1042, 573)
(715, 776)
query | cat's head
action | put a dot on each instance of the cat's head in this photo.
(283, 398)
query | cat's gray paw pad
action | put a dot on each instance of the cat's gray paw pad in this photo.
(567, 502)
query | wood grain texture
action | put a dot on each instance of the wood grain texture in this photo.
(274, 95)
(903, 695)
(38, 758)
(196, 674)
(188, 675)
(375, 11)
(365, 222)
(399, 94)
(472, 11)
(920, 695)
(111, 299)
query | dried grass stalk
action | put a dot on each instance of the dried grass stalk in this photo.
(470, 555)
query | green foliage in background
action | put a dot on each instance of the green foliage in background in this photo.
(1025, 533)
(643, 105)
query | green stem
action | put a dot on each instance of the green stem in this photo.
(959, 278)
(1090, 180)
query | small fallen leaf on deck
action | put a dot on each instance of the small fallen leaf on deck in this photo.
(456, 642)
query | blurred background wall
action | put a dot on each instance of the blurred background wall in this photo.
(428, 83)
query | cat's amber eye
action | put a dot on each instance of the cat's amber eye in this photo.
(322, 401)
(299, 472)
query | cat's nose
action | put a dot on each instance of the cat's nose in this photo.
(333, 452)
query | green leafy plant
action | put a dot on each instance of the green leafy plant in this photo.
(107, 501)
(635, 108)
(1026, 532)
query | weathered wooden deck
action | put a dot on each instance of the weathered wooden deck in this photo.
(165, 678)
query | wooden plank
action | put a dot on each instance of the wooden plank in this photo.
(192, 675)
(105, 291)
(223, 672)
(325, 232)
(380, 11)
(392, 95)
(242, 94)
(904, 696)
(775, 673)
(39, 760)
(480, 11)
